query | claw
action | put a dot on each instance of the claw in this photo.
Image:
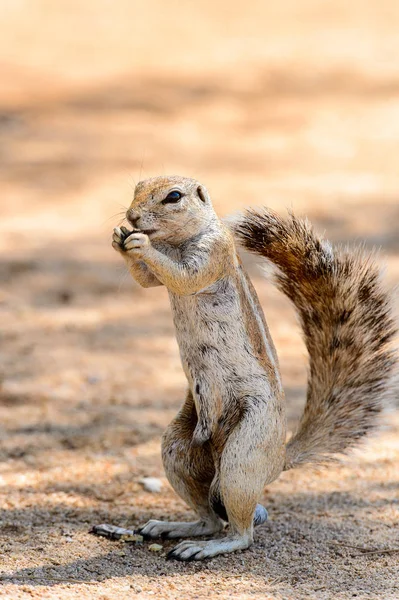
(144, 535)
(190, 558)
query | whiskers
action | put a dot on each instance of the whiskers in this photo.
(120, 215)
(131, 180)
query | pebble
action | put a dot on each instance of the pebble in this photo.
(151, 484)
(155, 548)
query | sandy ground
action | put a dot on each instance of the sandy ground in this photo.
(295, 105)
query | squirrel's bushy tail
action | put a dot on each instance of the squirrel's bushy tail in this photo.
(347, 322)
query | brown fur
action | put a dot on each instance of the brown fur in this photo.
(347, 324)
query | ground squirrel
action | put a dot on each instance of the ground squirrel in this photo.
(229, 439)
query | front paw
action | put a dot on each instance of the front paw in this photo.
(137, 244)
(119, 237)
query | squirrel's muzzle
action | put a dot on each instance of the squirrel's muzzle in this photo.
(133, 217)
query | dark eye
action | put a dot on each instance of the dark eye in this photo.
(172, 197)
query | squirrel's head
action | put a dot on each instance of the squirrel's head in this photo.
(170, 209)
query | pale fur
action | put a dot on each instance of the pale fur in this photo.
(228, 440)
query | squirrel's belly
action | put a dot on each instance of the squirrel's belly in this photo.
(220, 354)
(214, 342)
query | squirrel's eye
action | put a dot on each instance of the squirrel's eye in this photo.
(172, 197)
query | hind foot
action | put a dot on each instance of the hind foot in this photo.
(163, 529)
(171, 530)
(193, 550)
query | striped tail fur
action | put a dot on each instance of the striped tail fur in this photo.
(347, 325)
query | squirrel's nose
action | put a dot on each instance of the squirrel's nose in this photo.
(133, 216)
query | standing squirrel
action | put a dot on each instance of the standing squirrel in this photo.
(229, 438)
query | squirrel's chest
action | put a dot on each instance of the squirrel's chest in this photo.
(209, 315)
(208, 332)
(221, 334)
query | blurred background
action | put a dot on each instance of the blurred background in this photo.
(292, 104)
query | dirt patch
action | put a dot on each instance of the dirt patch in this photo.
(291, 106)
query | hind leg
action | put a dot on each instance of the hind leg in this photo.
(253, 456)
(190, 471)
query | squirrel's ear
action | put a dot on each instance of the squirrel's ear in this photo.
(202, 193)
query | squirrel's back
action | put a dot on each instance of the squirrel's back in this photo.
(347, 323)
